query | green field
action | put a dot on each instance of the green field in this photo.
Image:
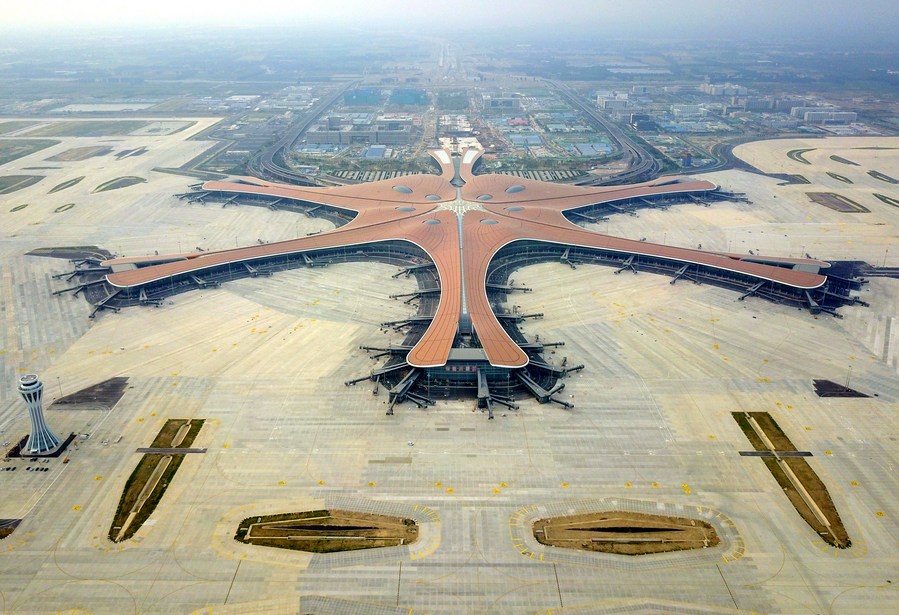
(841, 178)
(887, 199)
(119, 182)
(14, 125)
(65, 184)
(11, 183)
(796, 154)
(13, 150)
(141, 474)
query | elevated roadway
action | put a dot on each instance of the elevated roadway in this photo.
(642, 164)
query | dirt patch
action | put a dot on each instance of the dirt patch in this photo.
(119, 182)
(133, 489)
(8, 526)
(795, 475)
(625, 533)
(77, 154)
(136, 505)
(837, 202)
(834, 534)
(327, 531)
(166, 435)
(12, 183)
(101, 396)
(65, 184)
(771, 430)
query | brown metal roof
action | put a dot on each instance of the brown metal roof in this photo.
(535, 214)
(482, 241)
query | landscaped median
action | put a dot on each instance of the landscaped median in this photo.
(327, 531)
(153, 474)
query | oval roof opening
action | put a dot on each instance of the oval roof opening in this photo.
(431, 221)
(515, 188)
(515, 208)
(403, 189)
(489, 221)
(485, 197)
(433, 197)
(405, 208)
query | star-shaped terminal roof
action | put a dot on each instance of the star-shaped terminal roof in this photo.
(461, 221)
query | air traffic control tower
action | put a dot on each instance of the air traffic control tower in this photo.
(41, 441)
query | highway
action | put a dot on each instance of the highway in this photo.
(267, 165)
(643, 166)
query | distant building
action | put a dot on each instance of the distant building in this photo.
(802, 110)
(725, 89)
(409, 96)
(504, 102)
(455, 125)
(830, 117)
(611, 100)
(756, 104)
(823, 114)
(784, 105)
(686, 110)
(608, 104)
(643, 122)
(362, 97)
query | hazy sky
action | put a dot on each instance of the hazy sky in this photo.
(681, 18)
